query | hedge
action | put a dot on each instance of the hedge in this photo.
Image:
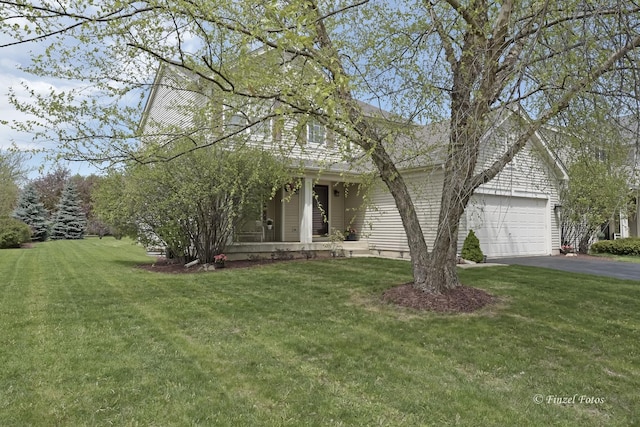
(13, 233)
(627, 246)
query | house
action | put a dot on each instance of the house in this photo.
(614, 146)
(514, 214)
(627, 224)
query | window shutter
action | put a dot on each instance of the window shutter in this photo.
(330, 137)
(278, 127)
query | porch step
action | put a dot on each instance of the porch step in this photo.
(246, 250)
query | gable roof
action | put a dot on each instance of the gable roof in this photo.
(413, 145)
(426, 145)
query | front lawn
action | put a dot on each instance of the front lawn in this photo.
(88, 339)
(624, 258)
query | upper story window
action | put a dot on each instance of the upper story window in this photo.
(601, 155)
(236, 121)
(264, 129)
(316, 133)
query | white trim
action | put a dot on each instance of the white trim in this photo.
(547, 225)
(283, 215)
(495, 191)
(624, 225)
(306, 210)
(310, 124)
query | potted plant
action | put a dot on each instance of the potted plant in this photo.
(566, 249)
(219, 260)
(351, 234)
(269, 223)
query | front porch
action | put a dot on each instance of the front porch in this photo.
(277, 250)
(306, 215)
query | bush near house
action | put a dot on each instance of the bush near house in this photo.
(13, 233)
(627, 246)
(471, 248)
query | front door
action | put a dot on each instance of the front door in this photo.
(321, 210)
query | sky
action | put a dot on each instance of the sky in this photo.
(11, 58)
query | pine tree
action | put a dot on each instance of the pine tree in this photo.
(70, 221)
(471, 248)
(32, 212)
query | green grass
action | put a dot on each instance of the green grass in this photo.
(88, 339)
(624, 258)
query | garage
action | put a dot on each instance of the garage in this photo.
(510, 226)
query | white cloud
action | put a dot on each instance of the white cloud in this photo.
(11, 76)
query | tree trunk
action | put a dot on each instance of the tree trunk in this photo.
(441, 272)
(418, 249)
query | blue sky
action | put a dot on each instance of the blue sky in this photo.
(11, 58)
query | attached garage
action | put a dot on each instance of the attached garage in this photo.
(510, 226)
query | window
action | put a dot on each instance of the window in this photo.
(315, 132)
(263, 129)
(236, 121)
(601, 155)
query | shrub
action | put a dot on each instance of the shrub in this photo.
(471, 248)
(13, 233)
(627, 246)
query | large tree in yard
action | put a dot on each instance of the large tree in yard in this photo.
(12, 173)
(31, 211)
(69, 221)
(463, 61)
(194, 203)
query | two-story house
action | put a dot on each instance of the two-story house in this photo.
(514, 214)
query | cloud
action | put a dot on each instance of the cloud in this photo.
(12, 77)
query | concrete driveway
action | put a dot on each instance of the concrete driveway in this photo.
(579, 264)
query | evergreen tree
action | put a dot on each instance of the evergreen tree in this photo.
(70, 220)
(471, 248)
(32, 212)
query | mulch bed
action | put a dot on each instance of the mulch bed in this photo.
(463, 299)
(164, 265)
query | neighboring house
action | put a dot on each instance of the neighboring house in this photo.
(625, 221)
(512, 215)
(628, 224)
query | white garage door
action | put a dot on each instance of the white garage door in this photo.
(509, 226)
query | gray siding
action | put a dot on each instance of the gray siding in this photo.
(529, 176)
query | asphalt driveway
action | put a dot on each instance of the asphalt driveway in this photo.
(579, 264)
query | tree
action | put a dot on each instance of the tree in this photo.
(599, 156)
(194, 203)
(471, 248)
(112, 207)
(425, 60)
(12, 172)
(86, 186)
(50, 187)
(594, 195)
(32, 212)
(69, 222)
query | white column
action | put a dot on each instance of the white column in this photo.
(624, 225)
(283, 207)
(306, 211)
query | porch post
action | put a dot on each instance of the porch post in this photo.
(624, 226)
(283, 216)
(306, 211)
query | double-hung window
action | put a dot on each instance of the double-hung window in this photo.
(316, 133)
(264, 129)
